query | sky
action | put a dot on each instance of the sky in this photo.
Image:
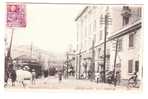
(49, 27)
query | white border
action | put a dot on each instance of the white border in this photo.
(68, 94)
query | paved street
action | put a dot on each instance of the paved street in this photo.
(71, 83)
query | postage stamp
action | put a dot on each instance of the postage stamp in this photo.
(16, 15)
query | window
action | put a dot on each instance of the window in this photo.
(131, 40)
(139, 11)
(125, 20)
(94, 27)
(120, 45)
(85, 25)
(118, 67)
(94, 7)
(101, 20)
(108, 51)
(89, 11)
(94, 37)
(82, 24)
(100, 37)
(130, 66)
(89, 28)
(85, 31)
(99, 50)
(126, 13)
(136, 66)
(98, 67)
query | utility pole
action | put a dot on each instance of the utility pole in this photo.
(67, 63)
(30, 60)
(9, 54)
(31, 47)
(106, 20)
(9, 60)
(105, 33)
(115, 62)
(93, 59)
(76, 66)
(80, 64)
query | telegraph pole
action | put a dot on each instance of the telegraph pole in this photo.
(67, 63)
(9, 60)
(80, 64)
(105, 33)
(115, 61)
(93, 59)
(9, 51)
(76, 57)
(31, 48)
(106, 20)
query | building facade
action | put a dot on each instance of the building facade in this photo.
(124, 25)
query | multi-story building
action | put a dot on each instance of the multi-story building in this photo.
(124, 25)
(30, 52)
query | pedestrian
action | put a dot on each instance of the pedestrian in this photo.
(101, 76)
(89, 74)
(33, 76)
(60, 76)
(97, 77)
(118, 77)
(115, 79)
(13, 77)
(135, 78)
(45, 73)
(65, 74)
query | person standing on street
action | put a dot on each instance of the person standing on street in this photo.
(60, 76)
(13, 77)
(33, 76)
(97, 77)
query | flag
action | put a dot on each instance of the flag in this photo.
(16, 15)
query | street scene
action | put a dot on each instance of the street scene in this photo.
(73, 46)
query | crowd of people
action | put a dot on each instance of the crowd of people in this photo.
(111, 77)
(20, 74)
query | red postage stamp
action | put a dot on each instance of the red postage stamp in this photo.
(16, 15)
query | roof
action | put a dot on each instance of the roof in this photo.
(83, 11)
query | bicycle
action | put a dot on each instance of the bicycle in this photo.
(132, 82)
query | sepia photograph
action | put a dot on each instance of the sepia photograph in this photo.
(73, 46)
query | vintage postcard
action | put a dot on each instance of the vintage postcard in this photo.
(74, 46)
